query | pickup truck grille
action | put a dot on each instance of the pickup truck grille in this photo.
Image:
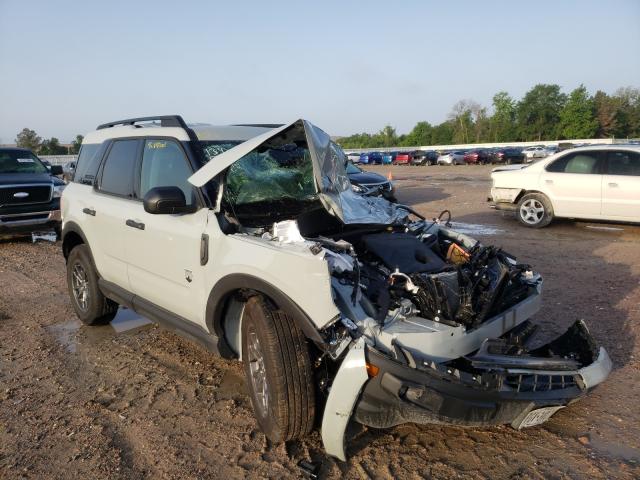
(15, 194)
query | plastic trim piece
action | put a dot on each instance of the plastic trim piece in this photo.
(344, 393)
(598, 371)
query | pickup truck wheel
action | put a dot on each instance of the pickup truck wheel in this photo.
(279, 374)
(534, 210)
(90, 305)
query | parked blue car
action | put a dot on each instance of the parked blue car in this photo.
(387, 158)
(364, 158)
(375, 158)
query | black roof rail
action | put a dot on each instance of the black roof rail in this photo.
(165, 121)
(265, 125)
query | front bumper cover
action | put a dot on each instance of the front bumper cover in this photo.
(425, 392)
(400, 394)
(25, 223)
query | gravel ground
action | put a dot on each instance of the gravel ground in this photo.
(89, 403)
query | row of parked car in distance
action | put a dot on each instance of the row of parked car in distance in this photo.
(483, 156)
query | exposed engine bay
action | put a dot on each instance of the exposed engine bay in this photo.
(433, 326)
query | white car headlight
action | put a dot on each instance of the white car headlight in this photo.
(357, 188)
(57, 190)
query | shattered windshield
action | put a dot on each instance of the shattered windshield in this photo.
(270, 175)
(213, 148)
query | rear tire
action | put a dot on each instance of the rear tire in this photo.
(534, 210)
(90, 305)
(279, 374)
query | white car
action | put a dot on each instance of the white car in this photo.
(451, 158)
(251, 241)
(530, 153)
(597, 183)
(353, 157)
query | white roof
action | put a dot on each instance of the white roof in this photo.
(227, 132)
(202, 131)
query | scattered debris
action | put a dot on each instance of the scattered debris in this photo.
(309, 469)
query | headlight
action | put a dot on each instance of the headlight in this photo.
(357, 188)
(57, 190)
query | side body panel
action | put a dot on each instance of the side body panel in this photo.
(621, 197)
(164, 260)
(292, 268)
(573, 194)
(101, 218)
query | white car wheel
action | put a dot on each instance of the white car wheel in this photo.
(534, 210)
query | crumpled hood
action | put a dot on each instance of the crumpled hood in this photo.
(332, 183)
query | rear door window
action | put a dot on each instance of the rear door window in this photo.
(577, 162)
(623, 163)
(118, 171)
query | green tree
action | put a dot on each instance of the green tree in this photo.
(502, 123)
(577, 117)
(461, 118)
(442, 134)
(607, 109)
(387, 137)
(628, 99)
(538, 113)
(28, 138)
(52, 147)
(75, 145)
(420, 135)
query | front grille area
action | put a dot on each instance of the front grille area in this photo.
(36, 194)
(382, 186)
(540, 383)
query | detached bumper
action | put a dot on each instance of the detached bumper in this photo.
(443, 395)
(504, 198)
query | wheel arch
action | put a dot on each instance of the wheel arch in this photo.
(239, 287)
(524, 192)
(72, 236)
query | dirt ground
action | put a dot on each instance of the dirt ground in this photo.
(87, 402)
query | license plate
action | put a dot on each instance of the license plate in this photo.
(538, 416)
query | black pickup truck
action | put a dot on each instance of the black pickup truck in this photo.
(29, 194)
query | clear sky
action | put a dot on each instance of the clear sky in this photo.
(348, 66)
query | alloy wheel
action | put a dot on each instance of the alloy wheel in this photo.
(80, 286)
(532, 211)
(258, 371)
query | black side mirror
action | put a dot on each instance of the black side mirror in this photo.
(166, 200)
(56, 170)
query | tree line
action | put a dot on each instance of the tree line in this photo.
(543, 113)
(28, 138)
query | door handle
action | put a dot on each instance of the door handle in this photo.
(89, 211)
(613, 185)
(134, 224)
(549, 182)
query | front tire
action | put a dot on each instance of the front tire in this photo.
(534, 210)
(90, 305)
(277, 364)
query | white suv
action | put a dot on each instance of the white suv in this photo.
(249, 240)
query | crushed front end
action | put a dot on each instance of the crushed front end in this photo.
(446, 332)
(433, 326)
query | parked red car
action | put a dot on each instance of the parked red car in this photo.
(403, 158)
(477, 157)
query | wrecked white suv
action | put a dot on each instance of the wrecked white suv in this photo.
(250, 240)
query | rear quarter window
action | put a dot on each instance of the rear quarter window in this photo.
(88, 163)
